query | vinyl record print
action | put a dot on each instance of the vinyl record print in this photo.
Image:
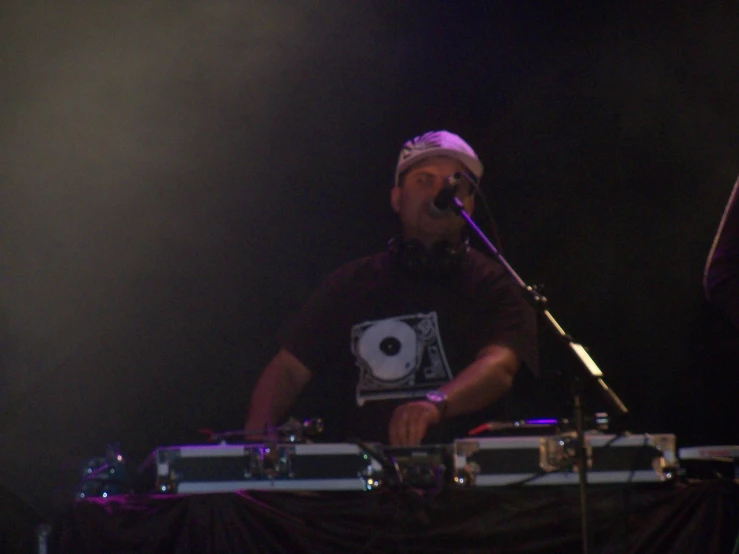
(390, 349)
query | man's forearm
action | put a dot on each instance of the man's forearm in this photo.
(480, 384)
(483, 382)
(276, 391)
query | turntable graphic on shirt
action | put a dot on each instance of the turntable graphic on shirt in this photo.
(398, 358)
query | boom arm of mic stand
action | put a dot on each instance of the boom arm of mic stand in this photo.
(589, 370)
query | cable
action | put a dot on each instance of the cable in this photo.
(496, 240)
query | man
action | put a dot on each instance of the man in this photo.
(721, 274)
(415, 343)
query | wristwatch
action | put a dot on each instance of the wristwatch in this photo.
(438, 399)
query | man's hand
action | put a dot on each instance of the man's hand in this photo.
(260, 434)
(410, 422)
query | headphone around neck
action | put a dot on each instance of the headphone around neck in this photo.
(412, 257)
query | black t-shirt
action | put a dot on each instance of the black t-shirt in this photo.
(376, 336)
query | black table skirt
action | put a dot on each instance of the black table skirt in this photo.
(700, 517)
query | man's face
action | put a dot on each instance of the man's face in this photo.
(411, 200)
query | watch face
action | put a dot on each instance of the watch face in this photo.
(436, 396)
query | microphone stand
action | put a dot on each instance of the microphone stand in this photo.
(586, 369)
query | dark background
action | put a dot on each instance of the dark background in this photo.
(175, 180)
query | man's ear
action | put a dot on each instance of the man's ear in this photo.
(395, 198)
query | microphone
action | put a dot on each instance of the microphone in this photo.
(441, 203)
